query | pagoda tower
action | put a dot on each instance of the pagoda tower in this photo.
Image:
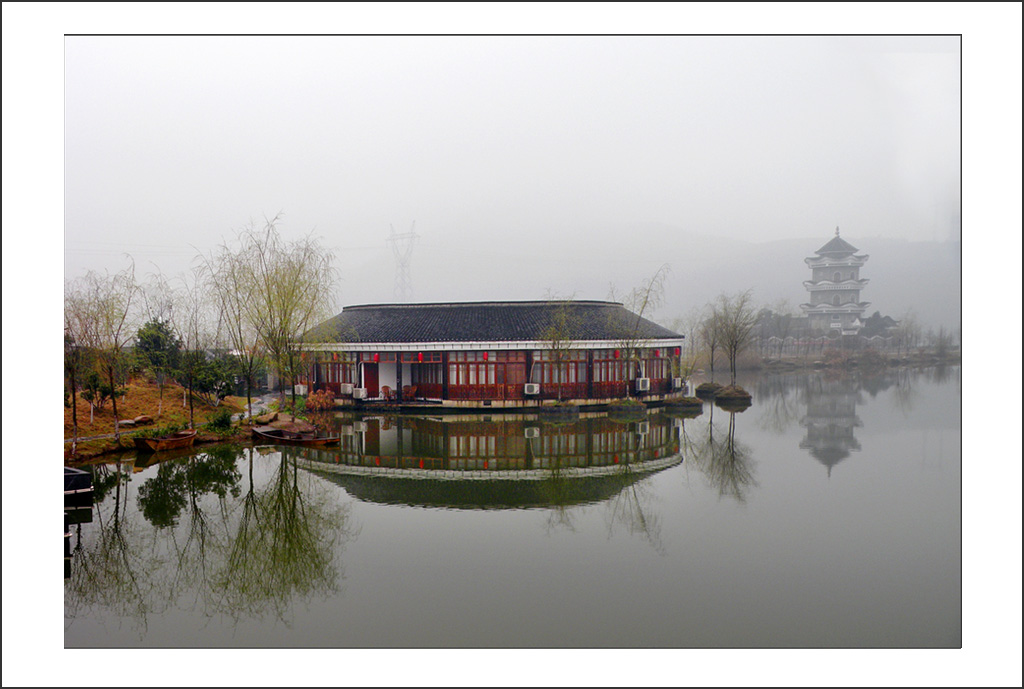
(834, 287)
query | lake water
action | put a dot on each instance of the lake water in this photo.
(827, 514)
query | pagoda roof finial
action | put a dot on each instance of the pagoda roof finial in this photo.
(837, 230)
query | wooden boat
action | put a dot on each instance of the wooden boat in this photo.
(77, 488)
(166, 442)
(281, 436)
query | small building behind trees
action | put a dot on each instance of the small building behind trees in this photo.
(504, 354)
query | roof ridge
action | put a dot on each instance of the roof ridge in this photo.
(467, 304)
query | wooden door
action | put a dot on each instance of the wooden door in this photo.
(371, 380)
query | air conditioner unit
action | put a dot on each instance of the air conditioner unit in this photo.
(347, 430)
(643, 427)
(301, 390)
(531, 389)
(346, 388)
(359, 426)
(531, 432)
(677, 383)
(359, 393)
(643, 384)
(677, 422)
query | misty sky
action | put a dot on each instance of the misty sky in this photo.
(515, 157)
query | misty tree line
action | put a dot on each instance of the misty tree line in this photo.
(241, 310)
(732, 325)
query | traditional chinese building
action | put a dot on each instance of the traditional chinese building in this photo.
(834, 307)
(493, 354)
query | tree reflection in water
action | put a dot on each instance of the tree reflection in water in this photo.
(112, 571)
(284, 547)
(904, 392)
(559, 491)
(238, 555)
(632, 507)
(566, 494)
(725, 462)
(211, 473)
(780, 401)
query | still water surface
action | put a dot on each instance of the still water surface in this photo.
(825, 515)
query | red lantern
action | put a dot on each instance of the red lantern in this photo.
(485, 356)
(616, 354)
(615, 459)
(485, 464)
(678, 351)
(376, 357)
(419, 357)
(334, 356)
(421, 464)
(657, 353)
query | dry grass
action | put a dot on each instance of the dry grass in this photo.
(732, 392)
(143, 399)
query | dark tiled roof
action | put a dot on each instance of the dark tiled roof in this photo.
(836, 246)
(483, 321)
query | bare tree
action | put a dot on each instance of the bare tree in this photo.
(711, 335)
(908, 333)
(79, 334)
(943, 342)
(112, 301)
(640, 301)
(559, 336)
(689, 327)
(195, 321)
(736, 317)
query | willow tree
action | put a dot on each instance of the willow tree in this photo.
(232, 282)
(292, 290)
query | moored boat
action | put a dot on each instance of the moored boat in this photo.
(166, 442)
(282, 436)
(77, 487)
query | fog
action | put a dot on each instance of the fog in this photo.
(528, 164)
(524, 164)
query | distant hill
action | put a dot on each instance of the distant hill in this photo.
(903, 275)
(585, 262)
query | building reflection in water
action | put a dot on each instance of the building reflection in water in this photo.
(831, 419)
(239, 535)
(493, 462)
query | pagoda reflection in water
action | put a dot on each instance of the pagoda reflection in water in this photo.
(831, 419)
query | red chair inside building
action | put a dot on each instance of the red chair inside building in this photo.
(387, 393)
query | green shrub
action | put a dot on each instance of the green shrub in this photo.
(157, 431)
(220, 421)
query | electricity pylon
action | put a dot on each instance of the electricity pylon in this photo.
(401, 246)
